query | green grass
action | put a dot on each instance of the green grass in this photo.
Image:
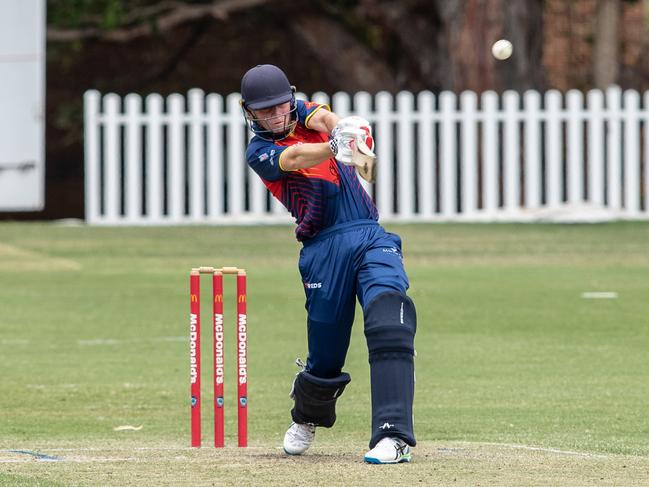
(93, 324)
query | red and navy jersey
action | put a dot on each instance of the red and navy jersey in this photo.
(318, 197)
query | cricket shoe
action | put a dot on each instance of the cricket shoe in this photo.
(298, 438)
(389, 450)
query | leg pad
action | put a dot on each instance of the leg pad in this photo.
(315, 398)
(390, 325)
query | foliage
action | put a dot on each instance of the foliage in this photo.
(106, 14)
(79, 13)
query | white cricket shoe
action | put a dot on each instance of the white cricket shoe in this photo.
(389, 450)
(298, 438)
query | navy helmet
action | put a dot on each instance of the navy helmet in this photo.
(266, 86)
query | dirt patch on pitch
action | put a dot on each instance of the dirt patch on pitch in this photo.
(433, 464)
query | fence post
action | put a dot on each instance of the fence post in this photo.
(214, 157)
(112, 142)
(427, 159)
(532, 134)
(595, 151)
(176, 158)
(234, 161)
(197, 156)
(448, 154)
(92, 190)
(490, 142)
(405, 155)
(553, 149)
(614, 141)
(511, 163)
(575, 140)
(645, 183)
(468, 151)
(133, 162)
(154, 187)
(631, 153)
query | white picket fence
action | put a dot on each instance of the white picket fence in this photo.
(513, 157)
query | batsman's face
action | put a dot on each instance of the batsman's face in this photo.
(274, 119)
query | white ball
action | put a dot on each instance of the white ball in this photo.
(502, 49)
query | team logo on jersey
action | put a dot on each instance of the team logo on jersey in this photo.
(392, 250)
(263, 157)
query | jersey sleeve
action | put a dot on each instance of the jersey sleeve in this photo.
(306, 109)
(263, 157)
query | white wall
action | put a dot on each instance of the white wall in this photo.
(22, 105)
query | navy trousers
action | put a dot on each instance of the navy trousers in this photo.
(352, 260)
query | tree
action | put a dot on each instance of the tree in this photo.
(123, 21)
(606, 49)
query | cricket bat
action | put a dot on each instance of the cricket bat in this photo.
(365, 161)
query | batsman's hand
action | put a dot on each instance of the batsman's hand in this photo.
(349, 134)
(352, 144)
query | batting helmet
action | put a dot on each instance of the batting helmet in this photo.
(265, 86)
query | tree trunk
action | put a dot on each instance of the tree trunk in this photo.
(523, 26)
(446, 44)
(606, 50)
(351, 66)
(418, 37)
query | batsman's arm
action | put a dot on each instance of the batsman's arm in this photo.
(303, 156)
(323, 121)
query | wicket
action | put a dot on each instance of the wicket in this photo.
(219, 363)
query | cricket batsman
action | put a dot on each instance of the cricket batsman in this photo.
(308, 159)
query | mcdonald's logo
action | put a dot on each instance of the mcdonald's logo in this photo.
(218, 298)
(242, 298)
(194, 298)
